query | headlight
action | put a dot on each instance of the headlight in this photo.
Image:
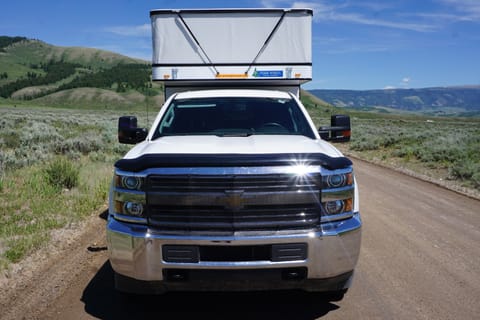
(129, 182)
(129, 203)
(338, 206)
(334, 207)
(337, 180)
(128, 197)
(129, 208)
(338, 192)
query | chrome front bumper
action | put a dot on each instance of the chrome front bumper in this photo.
(135, 251)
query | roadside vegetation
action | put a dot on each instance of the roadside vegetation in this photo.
(55, 170)
(446, 149)
(442, 148)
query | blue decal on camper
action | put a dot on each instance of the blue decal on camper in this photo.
(268, 74)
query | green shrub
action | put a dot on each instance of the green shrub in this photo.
(365, 143)
(61, 173)
(466, 170)
(11, 139)
(83, 144)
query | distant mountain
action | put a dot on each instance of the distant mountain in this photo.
(440, 101)
(32, 70)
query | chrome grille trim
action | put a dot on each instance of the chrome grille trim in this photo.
(234, 202)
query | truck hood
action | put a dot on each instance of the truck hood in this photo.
(254, 144)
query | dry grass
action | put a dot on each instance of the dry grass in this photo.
(81, 146)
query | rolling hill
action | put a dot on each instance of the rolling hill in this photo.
(34, 72)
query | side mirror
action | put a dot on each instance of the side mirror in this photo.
(339, 130)
(128, 132)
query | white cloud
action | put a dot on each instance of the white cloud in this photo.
(329, 11)
(319, 8)
(470, 9)
(360, 19)
(276, 3)
(374, 6)
(349, 47)
(143, 30)
(405, 81)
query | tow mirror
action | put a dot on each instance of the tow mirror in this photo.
(339, 130)
(128, 132)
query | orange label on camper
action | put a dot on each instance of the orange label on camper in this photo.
(231, 75)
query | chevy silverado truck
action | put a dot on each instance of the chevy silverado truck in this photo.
(233, 187)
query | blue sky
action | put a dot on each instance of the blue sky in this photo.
(357, 44)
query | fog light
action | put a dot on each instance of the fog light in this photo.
(133, 208)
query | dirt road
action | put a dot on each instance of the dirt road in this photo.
(420, 259)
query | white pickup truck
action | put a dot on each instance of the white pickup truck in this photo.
(233, 187)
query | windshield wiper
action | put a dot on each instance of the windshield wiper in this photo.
(238, 134)
(235, 133)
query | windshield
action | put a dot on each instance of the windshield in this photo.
(233, 116)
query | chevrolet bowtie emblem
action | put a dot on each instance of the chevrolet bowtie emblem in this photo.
(234, 200)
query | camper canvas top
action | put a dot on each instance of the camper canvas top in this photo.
(232, 46)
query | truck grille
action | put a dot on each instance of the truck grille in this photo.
(233, 202)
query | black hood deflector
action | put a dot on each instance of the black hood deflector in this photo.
(230, 160)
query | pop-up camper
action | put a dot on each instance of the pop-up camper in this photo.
(263, 47)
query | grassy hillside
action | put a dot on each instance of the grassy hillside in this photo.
(27, 53)
(33, 72)
(96, 98)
